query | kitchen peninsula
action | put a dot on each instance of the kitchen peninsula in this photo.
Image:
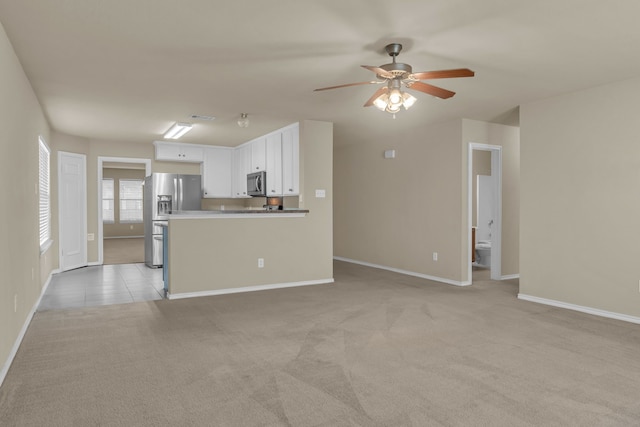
(214, 252)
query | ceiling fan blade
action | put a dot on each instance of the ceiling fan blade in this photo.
(443, 74)
(379, 71)
(347, 85)
(431, 90)
(379, 92)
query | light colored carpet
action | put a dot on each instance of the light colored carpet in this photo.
(123, 251)
(373, 349)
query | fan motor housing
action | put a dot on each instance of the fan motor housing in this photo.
(398, 69)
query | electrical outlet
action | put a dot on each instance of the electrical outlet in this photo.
(435, 256)
(90, 237)
(260, 262)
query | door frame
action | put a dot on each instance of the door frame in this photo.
(101, 161)
(496, 237)
(83, 214)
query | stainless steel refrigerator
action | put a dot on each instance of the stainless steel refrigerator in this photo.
(165, 193)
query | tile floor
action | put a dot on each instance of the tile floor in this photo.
(103, 285)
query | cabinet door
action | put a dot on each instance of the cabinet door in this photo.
(290, 162)
(216, 173)
(176, 152)
(258, 155)
(274, 164)
(241, 167)
(169, 152)
(192, 154)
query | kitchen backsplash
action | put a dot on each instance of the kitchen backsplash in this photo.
(254, 202)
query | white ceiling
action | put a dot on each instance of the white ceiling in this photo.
(125, 70)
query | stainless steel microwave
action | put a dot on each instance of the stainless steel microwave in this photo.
(257, 184)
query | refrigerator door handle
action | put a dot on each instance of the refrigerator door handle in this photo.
(181, 189)
(176, 195)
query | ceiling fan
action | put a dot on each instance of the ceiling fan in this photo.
(396, 75)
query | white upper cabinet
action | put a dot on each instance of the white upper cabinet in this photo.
(258, 155)
(224, 169)
(274, 164)
(291, 161)
(216, 172)
(283, 162)
(179, 152)
(241, 167)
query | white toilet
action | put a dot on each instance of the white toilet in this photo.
(483, 253)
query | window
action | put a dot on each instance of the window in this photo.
(107, 201)
(44, 177)
(130, 200)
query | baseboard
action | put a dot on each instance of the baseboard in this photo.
(248, 289)
(510, 276)
(406, 272)
(123, 237)
(23, 331)
(580, 308)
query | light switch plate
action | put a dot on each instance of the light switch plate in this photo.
(321, 194)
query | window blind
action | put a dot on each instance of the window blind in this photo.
(44, 177)
(130, 200)
(107, 201)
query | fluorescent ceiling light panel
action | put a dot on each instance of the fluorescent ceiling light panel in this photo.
(177, 130)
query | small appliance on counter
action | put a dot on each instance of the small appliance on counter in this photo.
(274, 204)
(257, 184)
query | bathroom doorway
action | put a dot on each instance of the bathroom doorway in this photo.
(485, 211)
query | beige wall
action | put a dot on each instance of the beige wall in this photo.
(212, 254)
(580, 187)
(22, 268)
(118, 229)
(397, 212)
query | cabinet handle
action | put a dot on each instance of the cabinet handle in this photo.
(291, 189)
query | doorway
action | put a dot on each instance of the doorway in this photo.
(488, 234)
(121, 243)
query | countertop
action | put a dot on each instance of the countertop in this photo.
(239, 213)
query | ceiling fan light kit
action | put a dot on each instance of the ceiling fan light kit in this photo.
(391, 97)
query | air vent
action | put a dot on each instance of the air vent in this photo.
(200, 117)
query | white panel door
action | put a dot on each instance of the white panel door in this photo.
(486, 203)
(72, 210)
